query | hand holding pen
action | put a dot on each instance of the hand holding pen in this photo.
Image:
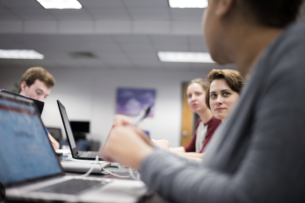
(126, 143)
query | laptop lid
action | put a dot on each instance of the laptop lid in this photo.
(26, 153)
(68, 129)
(39, 104)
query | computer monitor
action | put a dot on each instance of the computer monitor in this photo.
(80, 126)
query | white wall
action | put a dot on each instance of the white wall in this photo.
(91, 94)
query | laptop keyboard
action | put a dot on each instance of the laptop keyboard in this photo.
(88, 154)
(72, 187)
(93, 154)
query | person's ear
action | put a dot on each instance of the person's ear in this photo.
(23, 86)
(224, 7)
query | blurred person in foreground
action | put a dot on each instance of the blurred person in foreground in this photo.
(257, 154)
(36, 83)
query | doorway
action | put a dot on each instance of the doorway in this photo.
(188, 120)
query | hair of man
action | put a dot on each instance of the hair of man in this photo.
(37, 73)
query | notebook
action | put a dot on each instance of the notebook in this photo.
(74, 151)
(30, 169)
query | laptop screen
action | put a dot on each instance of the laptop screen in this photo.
(39, 104)
(25, 151)
(67, 126)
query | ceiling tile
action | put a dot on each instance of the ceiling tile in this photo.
(26, 62)
(204, 66)
(101, 3)
(131, 39)
(97, 39)
(10, 26)
(186, 14)
(113, 27)
(20, 3)
(146, 3)
(187, 27)
(50, 42)
(76, 27)
(6, 42)
(67, 63)
(116, 59)
(137, 48)
(91, 62)
(152, 27)
(172, 47)
(150, 14)
(6, 14)
(145, 58)
(56, 55)
(32, 14)
(176, 66)
(70, 14)
(195, 40)
(169, 39)
(100, 49)
(45, 27)
(108, 13)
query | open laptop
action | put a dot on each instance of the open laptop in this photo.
(30, 169)
(74, 151)
(39, 104)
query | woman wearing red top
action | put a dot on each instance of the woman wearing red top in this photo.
(221, 95)
(206, 125)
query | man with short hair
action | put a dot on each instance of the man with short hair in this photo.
(36, 83)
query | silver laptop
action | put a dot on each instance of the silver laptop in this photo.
(88, 155)
(30, 169)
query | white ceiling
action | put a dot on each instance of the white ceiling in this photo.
(123, 34)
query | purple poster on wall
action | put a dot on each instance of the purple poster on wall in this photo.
(131, 101)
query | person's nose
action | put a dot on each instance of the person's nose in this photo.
(219, 100)
(193, 98)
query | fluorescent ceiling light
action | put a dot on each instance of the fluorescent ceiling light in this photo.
(188, 3)
(185, 57)
(20, 54)
(60, 4)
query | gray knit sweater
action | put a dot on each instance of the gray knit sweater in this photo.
(258, 154)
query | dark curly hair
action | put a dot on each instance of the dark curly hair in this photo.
(275, 13)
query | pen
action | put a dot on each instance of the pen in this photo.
(143, 114)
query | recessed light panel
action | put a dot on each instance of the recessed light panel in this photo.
(188, 3)
(185, 57)
(20, 54)
(60, 4)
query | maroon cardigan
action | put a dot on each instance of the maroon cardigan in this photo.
(212, 126)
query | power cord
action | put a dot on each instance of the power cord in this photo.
(109, 172)
(92, 167)
(137, 177)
